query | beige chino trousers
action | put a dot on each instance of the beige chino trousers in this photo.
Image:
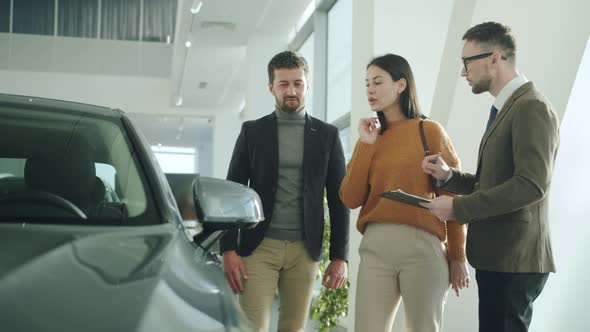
(282, 264)
(400, 262)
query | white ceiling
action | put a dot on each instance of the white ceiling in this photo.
(219, 34)
(218, 53)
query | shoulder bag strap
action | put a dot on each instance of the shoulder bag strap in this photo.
(426, 153)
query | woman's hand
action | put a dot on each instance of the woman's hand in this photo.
(459, 275)
(368, 130)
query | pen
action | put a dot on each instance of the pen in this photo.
(427, 153)
(437, 158)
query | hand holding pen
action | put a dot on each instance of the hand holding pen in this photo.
(436, 166)
(441, 206)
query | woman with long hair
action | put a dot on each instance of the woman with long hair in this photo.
(406, 252)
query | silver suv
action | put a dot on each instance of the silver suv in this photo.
(92, 233)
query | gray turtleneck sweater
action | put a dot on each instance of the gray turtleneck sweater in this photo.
(287, 217)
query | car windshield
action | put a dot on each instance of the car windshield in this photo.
(67, 167)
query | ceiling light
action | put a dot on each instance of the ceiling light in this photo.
(196, 6)
(188, 44)
(230, 26)
(179, 101)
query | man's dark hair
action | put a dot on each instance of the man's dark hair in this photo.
(495, 35)
(288, 60)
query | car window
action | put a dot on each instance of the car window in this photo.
(53, 164)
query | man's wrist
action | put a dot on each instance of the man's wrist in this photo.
(441, 183)
(449, 176)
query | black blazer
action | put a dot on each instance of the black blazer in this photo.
(255, 163)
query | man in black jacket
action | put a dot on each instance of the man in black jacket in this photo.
(289, 158)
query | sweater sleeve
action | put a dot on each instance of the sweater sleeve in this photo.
(456, 233)
(355, 187)
(456, 237)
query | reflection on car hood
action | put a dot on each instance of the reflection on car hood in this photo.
(70, 278)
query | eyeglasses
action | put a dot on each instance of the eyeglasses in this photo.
(475, 57)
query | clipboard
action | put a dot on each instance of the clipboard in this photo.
(403, 197)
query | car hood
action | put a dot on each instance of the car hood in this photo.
(74, 278)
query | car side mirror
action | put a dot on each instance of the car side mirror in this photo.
(218, 205)
(226, 205)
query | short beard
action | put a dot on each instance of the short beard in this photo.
(481, 86)
(286, 108)
(289, 109)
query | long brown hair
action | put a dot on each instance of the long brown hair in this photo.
(399, 68)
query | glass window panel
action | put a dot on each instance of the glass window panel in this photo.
(307, 51)
(176, 159)
(33, 16)
(345, 139)
(4, 15)
(159, 20)
(339, 59)
(77, 18)
(119, 19)
(181, 135)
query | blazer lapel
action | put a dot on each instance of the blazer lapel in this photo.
(503, 113)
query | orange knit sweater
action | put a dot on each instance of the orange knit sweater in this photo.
(393, 162)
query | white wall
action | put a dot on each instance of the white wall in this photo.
(550, 39)
(90, 56)
(416, 30)
(562, 306)
(131, 94)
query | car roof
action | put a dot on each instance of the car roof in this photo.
(20, 101)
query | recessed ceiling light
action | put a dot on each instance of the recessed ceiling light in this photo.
(230, 26)
(188, 44)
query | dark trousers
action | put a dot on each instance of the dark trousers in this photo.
(506, 299)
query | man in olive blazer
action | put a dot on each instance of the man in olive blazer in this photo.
(506, 201)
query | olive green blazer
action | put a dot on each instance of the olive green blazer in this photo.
(506, 202)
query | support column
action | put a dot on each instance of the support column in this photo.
(362, 52)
